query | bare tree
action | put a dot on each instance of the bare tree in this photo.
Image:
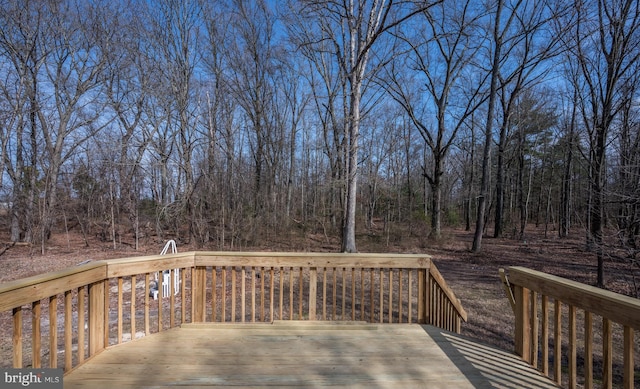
(448, 43)
(531, 45)
(327, 87)
(514, 25)
(605, 43)
(568, 127)
(22, 42)
(627, 190)
(252, 59)
(221, 185)
(127, 85)
(175, 25)
(59, 60)
(497, 39)
(353, 28)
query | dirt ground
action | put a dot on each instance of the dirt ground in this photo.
(473, 277)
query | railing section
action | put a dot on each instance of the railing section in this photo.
(577, 334)
(61, 319)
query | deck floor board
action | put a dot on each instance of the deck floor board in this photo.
(305, 355)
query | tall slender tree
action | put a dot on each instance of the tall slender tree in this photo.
(176, 28)
(529, 46)
(353, 28)
(447, 42)
(604, 41)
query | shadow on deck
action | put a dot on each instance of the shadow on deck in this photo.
(305, 354)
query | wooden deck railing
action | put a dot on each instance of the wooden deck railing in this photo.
(95, 305)
(572, 308)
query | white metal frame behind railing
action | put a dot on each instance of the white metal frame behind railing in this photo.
(166, 274)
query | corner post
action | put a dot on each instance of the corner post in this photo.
(97, 317)
(523, 336)
(199, 294)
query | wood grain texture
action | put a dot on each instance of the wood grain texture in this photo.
(305, 354)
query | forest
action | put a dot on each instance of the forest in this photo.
(225, 122)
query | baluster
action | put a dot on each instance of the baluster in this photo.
(353, 294)
(172, 299)
(390, 295)
(183, 297)
(243, 292)
(362, 271)
(545, 335)
(147, 290)
(81, 323)
(68, 330)
(291, 293)
(233, 293)
(336, 293)
(557, 339)
(281, 296)
(381, 296)
(343, 312)
(223, 295)
(607, 353)
(573, 350)
(214, 294)
(588, 350)
(53, 332)
(534, 329)
(301, 294)
(324, 293)
(253, 294)
(271, 293)
(17, 337)
(133, 307)
(313, 292)
(160, 298)
(36, 345)
(409, 296)
(120, 300)
(400, 301)
(262, 294)
(628, 357)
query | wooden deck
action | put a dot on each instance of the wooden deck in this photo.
(305, 354)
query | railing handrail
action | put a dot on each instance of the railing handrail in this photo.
(351, 260)
(128, 266)
(97, 286)
(618, 308)
(532, 291)
(26, 290)
(123, 267)
(455, 302)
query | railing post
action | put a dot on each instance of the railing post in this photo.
(97, 315)
(523, 322)
(200, 294)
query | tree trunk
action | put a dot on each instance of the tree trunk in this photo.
(488, 132)
(597, 205)
(499, 216)
(436, 196)
(565, 207)
(472, 169)
(349, 230)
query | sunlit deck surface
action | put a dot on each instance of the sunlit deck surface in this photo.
(305, 355)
